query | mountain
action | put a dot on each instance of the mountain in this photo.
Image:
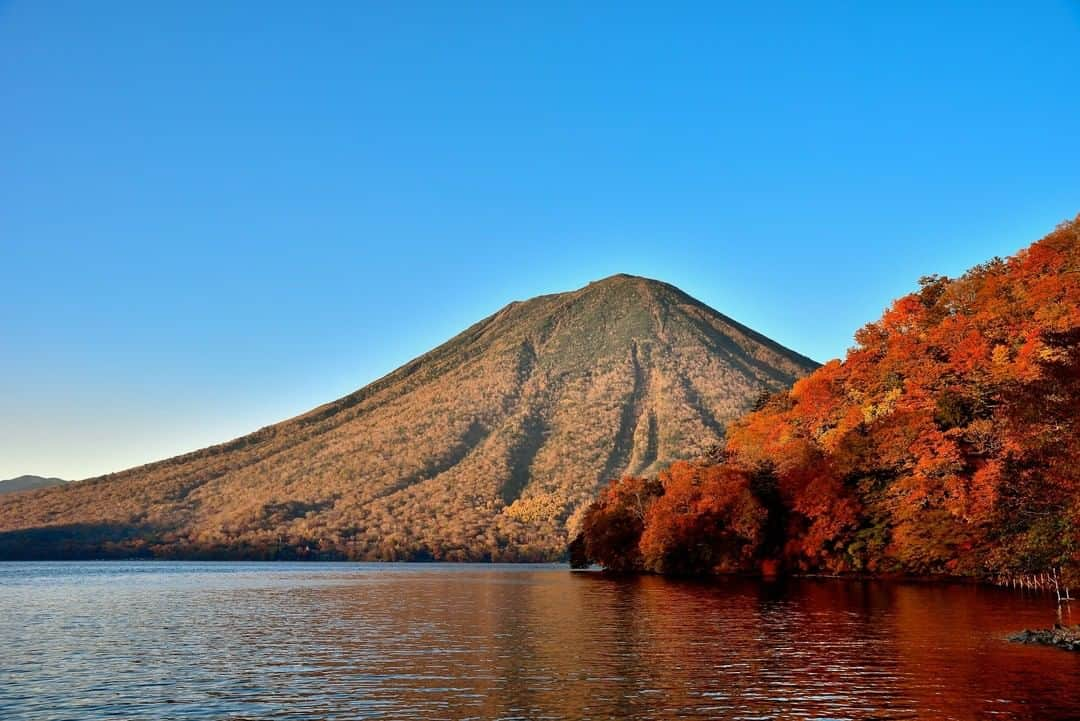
(28, 483)
(487, 447)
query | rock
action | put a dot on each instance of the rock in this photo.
(1066, 637)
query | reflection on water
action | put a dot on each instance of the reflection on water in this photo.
(301, 641)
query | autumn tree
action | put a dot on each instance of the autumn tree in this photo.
(707, 520)
(947, 441)
(611, 528)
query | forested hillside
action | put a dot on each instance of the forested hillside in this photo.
(946, 442)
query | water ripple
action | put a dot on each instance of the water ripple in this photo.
(306, 641)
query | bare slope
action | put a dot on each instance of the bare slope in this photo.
(488, 446)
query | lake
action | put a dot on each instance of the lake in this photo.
(155, 640)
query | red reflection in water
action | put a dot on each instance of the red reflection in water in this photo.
(457, 642)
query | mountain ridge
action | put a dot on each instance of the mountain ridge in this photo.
(28, 482)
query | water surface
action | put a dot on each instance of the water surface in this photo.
(385, 641)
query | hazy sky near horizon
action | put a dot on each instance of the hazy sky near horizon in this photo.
(217, 215)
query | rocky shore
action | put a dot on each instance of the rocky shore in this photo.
(1066, 637)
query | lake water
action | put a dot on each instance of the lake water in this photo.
(354, 641)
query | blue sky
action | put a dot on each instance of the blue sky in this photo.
(213, 218)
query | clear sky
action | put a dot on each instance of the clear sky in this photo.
(217, 215)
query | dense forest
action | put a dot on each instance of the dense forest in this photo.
(946, 442)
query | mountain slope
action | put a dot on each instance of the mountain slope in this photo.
(488, 446)
(28, 483)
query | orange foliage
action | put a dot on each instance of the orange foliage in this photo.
(947, 441)
(707, 520)
(612, 526)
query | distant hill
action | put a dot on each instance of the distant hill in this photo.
(28, 483)
(487, 447)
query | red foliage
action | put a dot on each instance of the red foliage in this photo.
(947, 441)
(612, 526)
(707, 520)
